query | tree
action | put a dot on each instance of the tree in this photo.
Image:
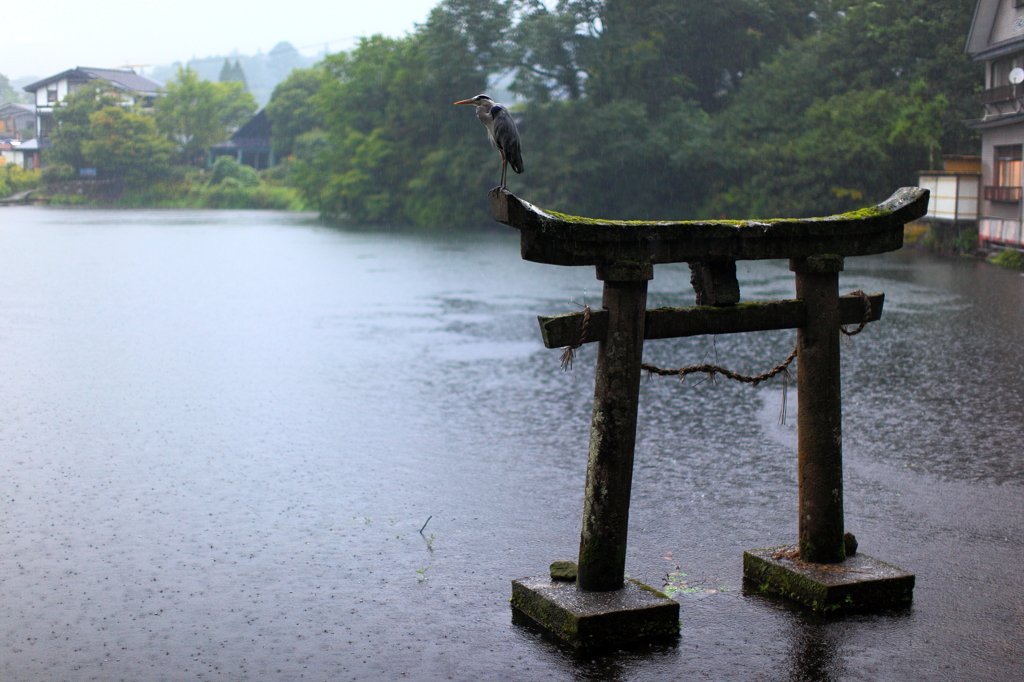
(395, 150)
(553, 48)
(652, 51)
(72, 121)
(126, 145)
(7, 93)
(196, 114)
(292, 108)
(845, 116)
(232, 74)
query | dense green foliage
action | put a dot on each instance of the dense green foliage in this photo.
(227, 170)
(292, 109)
(94, 131)
(1009, 259)
(197, 114)
(14, 179)
(394, 150)
(181, 187)
(845, 116)
(637, 108)
(126, 146)
(72, 124)
(195, 190)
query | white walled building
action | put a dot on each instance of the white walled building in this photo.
(48, 93)
(997, 38)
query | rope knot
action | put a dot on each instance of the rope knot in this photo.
(569, 352)
(867, 314)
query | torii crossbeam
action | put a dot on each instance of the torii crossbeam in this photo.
(624, 253)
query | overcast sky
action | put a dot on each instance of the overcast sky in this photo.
(61, 34)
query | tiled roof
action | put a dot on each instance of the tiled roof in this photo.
(17, 109)
(256, 127)
(253, 136)
(129, 80)
(119, 78)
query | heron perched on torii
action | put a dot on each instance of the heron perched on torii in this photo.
(501, 130)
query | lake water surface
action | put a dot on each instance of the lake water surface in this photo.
(221, 433)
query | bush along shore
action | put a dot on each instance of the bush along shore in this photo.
(953, 239)
(15, 181)
(228, 184)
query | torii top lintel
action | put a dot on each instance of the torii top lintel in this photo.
(557, 239)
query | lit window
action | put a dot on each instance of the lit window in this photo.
(1007, 175)
(1008, 164)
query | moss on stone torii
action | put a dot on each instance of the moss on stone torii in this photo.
(559, 239)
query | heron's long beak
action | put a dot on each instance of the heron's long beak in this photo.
(465, 101)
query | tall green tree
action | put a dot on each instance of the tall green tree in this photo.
(196, 114)
(396, 150)
(553, 48)
(292, 108)
(72, 121)
(656, 51)
(845, 116)
(126, 145)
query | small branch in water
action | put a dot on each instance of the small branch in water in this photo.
(425, 524)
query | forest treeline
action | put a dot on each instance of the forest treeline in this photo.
(636, 109)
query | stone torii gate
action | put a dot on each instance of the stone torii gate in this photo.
(600, 608)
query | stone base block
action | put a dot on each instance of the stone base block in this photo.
(593, 620)
(860, 583)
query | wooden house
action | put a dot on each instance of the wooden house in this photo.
(131, 87)
(250, 144)
(996, 37)
(954, 191)
(16, 120)
(17, 124)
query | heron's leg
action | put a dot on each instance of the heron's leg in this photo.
(504, 167)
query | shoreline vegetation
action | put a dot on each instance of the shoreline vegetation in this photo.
(228, 185)
(741, 109)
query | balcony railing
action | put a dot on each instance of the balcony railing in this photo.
(1001, 94)
(1004, 194)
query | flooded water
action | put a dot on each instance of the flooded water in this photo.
(221, 434)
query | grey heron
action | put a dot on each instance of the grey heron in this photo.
(501, 130)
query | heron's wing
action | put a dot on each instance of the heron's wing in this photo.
(506, 136)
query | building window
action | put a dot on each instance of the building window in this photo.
(1001, 69)
(51, 95)
(1007, 175)
(1008, 165)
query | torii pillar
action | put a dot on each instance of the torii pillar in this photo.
(598, 607)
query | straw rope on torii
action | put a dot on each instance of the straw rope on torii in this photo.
(569, 353)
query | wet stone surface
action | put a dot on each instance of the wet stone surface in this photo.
(858, 583)
(563, 570)
(592, 621)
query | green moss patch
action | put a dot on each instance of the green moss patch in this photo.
(596, 620)
(860, 583)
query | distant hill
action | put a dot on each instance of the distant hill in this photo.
(262, 71)
(20, 95)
